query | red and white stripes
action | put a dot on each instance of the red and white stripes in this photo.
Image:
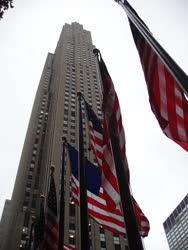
(167, 100)
(99, 211)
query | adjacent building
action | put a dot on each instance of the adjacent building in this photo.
(4, 220)
(176, 226)
(70, 69)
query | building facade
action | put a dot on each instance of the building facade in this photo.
(4, 220)
(70, 69)
(176, 226)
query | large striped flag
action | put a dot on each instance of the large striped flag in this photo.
(100, 212)
(96, 133)
(112, 124)
(51, 224)
(98, 207)
(167, 99)
(104, 158)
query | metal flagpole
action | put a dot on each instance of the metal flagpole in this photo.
(83, 190)
(133, 235)
(175, 70)
(31, 232)
(62, 202)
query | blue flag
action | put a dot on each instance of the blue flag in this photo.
(93, 175)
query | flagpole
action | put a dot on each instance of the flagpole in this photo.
(132, 231)
(62, 202)
(82, 180)
(175, 70)
(133, 235)
(31, 231)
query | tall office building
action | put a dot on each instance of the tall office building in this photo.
(70, 69)
(176, 226)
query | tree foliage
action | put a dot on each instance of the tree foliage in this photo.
(4, 5)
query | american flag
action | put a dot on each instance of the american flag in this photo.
(97, 138)
(38, 235)
(112, 123)
(167, 100)
(51, 225)
(100, 212)
(106, 165)
(96, 133)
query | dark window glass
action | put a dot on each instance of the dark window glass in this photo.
(28, 185)
(103, 244)
(72, 226)
(117, 247)
(72, 209)
(25, 203)
(72, 113)
(72, 240)
(33, 204)
(36, 182)
(27, 194)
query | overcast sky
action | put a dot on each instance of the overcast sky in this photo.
(158, 166)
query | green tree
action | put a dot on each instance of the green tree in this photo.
(4, 5)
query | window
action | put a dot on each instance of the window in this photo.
(27, 194)
(36, 182)
(72, 209)
(72, 226)
(33, 204)
(72, 113)
(72, 239)
(102, 237)
(32, 166)
(117, 247)
(101, 230)
(103, 244)
(28, 185)
(30, 177)
(25, 204)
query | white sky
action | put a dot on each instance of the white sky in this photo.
(28, 32)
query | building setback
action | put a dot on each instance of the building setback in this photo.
(176, 226)
(70, 69)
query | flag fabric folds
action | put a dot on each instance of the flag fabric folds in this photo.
(68, 247)
(38, 229)
(51, 224)
(99, 211)
(96, 133)
(112, 124)
(105, 161)
(113, 129)
(167, 100)
(93, 174)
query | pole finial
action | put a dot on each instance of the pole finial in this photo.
(79, 94)
(64, 139)
(96, 52)
(52, 168)
(33, 218)
(42, 197)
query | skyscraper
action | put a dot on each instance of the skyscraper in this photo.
(176, 226)
(70, 69)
